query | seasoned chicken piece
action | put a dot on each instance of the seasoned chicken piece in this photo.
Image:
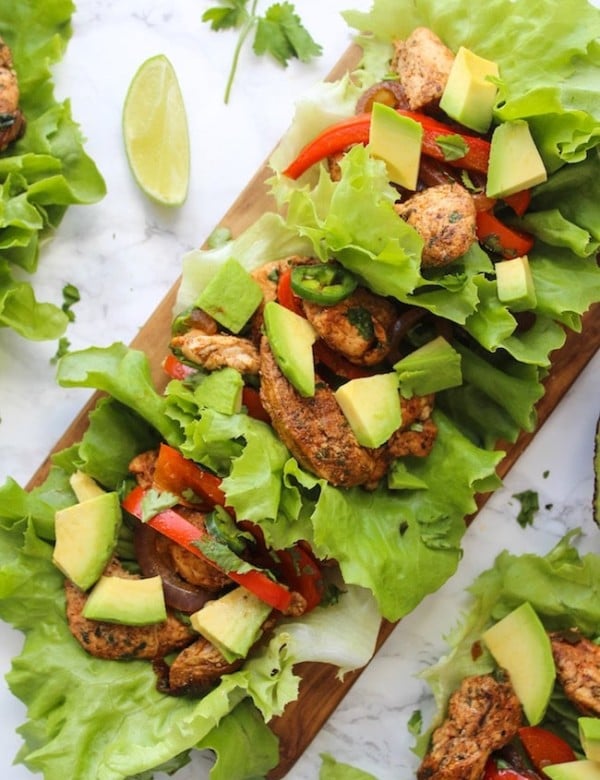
(142, 467)
(577, 661)
(418, 432)
(12, 121)
(190, 567)
(319, 436)
(313, 429)
(214, 351)
(359, 327)
(199, 666)
(120, 642)
(444, 216)
(423, 63)
(483, 716)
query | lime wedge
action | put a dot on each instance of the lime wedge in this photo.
(155, 131)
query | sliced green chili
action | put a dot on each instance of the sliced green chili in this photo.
(323, 283)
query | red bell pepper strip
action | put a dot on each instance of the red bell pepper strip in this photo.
(285, 294)
(544, 747)
(356, 130)
(174, 526)
(296, 566)
(178, 475)
(500, 238)
(337, 363)
(494, 772)
(252, 402)
(519, 201)
(176, 369)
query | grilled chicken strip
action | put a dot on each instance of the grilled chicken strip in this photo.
(313, 429)
(12, 121)
(219, 350)
(483, 716)
(319, 436)
(577, 661)
(423, 63)
(444, 216)
(121, 642)
(198, 666)
(359, 327)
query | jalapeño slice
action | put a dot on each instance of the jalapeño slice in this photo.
(323, 283)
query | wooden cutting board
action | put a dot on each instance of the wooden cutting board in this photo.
(320, 691)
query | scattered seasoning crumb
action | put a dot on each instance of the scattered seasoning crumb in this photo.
(546, 473)
(548, 507)
(529, 506)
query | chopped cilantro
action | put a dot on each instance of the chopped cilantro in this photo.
(278, 32)
(70, 297)
(529, 506)
(453, 146)
(361, 319)
(62, 349)
(155, 501)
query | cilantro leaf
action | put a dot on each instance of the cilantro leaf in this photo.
(278, 32)
(155, 501)
(281, 33)
(453, 146)
(529, 506)
(229, 15)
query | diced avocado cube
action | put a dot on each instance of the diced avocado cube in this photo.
(396, 140)
(133, 602)
(589, 736)
(515, 283)
(515, 163)
(372, 407)
(469, 95)
(231, 297)
(221, 390)
(86, 537)
(291, 338)
(433, 367)
(521, 646)
(574, 770)
(84, 486)
(232, 623)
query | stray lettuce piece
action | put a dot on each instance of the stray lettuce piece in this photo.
(433, 367)
(336, 770)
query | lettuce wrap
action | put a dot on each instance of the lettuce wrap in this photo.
(560, 586)
(44, 172)
(393, 545)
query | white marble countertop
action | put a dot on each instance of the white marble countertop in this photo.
(124, 254)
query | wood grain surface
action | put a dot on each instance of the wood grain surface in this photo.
(320, 691)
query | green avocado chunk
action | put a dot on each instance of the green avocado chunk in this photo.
(515, 163)
(133, 602)
(86, 537)
(231, 297)
(396, 140)
(589, 736)
(515, 284)
(521, 646)
(291, 338)
(232, 623)
(574, 770)
(469, 95)
(372, 407)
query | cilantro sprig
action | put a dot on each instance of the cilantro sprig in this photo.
(278, 32)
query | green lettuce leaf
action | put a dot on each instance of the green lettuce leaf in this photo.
(45, 171)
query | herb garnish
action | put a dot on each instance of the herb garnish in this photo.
(529, 506)
(278, 32)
